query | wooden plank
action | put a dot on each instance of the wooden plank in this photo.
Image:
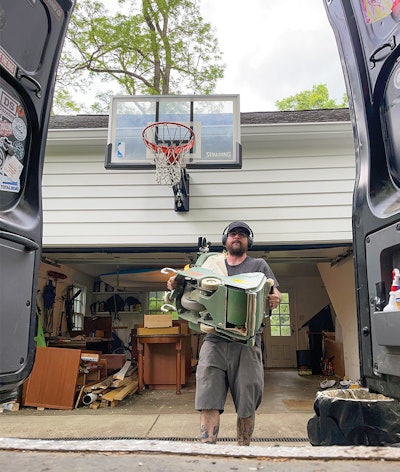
(121, 383)
(99, 385)
(79, 397)
(127, 390)
(155, 331)
(110, 395)
(121, 373)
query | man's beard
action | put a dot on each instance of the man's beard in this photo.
(236, 249)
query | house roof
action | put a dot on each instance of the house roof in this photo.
(248, 118)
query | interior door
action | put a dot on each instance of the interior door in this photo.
(280, 335)
(368, 38)
(32, 34)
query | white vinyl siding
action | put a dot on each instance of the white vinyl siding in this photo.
(295, 186)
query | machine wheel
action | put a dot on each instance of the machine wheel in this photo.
(206, 329)
(210, 283)
(191, 305)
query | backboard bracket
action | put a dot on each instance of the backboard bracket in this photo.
(181, 192)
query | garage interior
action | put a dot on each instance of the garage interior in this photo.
(289, 392)
(289, 265)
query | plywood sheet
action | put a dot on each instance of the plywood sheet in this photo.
(52, 382)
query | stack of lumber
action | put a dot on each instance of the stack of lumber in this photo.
(111, 390)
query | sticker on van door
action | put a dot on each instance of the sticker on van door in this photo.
(376, 10)
(13, 134)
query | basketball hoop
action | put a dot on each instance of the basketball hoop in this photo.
(169, 142)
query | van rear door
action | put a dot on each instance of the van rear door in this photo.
(32, 34)
(368, 38)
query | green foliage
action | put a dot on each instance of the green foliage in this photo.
(155, 302)
(150, 47)
(64, 102)
(315, 99)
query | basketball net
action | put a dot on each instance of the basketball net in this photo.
(169, 142)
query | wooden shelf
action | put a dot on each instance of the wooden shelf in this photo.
(57, 376)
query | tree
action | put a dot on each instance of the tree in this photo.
(314, 99)
(158, 47)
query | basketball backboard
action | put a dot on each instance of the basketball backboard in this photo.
(215, 120)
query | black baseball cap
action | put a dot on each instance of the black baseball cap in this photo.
(239, 224)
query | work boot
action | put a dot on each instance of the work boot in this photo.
(245, 428)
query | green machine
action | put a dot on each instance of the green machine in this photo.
(233, 307)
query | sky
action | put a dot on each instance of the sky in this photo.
(274, 49)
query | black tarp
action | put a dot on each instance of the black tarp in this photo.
(354, 417)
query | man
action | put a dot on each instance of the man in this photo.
(227, 364)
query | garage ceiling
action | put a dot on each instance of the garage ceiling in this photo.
(102, 262)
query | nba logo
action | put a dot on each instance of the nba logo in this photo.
(120, 149)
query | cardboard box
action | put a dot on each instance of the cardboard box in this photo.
(157, 321)
(155, 331)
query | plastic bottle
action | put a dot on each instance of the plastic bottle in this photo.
(394, 293)
(397, 295)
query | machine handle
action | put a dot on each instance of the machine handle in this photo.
(167, 307)
(167, 270)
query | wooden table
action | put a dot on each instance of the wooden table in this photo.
(160, 339)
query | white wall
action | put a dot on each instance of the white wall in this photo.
(340, 284)
(295, 186)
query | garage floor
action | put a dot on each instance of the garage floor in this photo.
(161, 414)
(158, 430)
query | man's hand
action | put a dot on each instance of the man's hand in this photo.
(274, 298)
(171, 283)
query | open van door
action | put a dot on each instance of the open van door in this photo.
(32, 34)
(368, 38)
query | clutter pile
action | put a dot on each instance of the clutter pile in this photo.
(344, 384)
(110, 391)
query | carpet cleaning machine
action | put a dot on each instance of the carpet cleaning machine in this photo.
(233, 307)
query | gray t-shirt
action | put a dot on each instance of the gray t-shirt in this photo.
(250, 264)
